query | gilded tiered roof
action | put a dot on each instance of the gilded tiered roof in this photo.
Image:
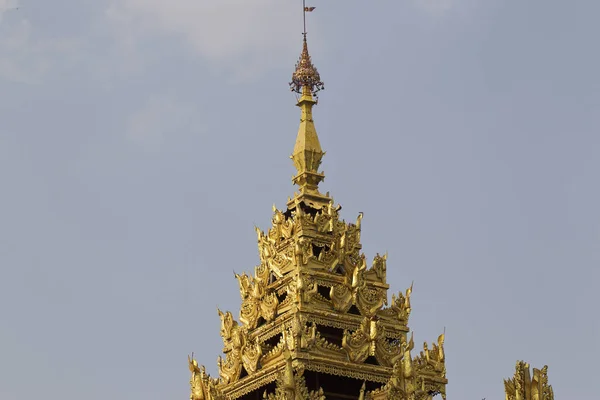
(314, 303)
(315, 320)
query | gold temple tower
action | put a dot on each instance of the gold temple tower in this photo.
(315, 322)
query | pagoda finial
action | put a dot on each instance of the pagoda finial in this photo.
(307, 154)
(306, 75)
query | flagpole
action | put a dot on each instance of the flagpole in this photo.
(304, 16)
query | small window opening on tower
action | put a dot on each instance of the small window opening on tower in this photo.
(339, 269)
(332, 335)
(272, 278)
(316, 250)
(371, 360)
(271, 342)
(261, 321)
(324, 291)
(308, 209)
(303, 208)
(354, 310)
(281, 297)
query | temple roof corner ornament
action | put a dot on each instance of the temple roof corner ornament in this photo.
(522, 386)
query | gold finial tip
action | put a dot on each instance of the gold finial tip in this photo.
(306, 75)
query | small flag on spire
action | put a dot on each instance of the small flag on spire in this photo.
(309, 9)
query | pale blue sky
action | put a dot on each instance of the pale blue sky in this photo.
(141, 140)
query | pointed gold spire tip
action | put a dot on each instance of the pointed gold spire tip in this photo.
(307, 154)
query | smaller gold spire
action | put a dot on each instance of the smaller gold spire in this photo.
(307, 154)
(361, 395)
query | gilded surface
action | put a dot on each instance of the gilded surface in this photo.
(312, 275)
(315, 304)
(291, 384)
(203, 387)
(525, 387)
(306, 75)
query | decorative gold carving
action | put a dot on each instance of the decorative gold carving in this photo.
(430, 368)
(387, 352)
(369, 300)
(434, 360)
(202, 386)
(282, 229)
(401, 385)
(303, 290)
(234, 342)
(361, 344)
(378, 270)
(361, 395)
(341, 298)
(523, 387)
(333, 323)
(325, 349)
(255, 302)
(300, 335)
(352, 322)
(420, 378)
(400, 308)
(291, 384)
(306, 78)
(248, 385)
(274, 353)
(275, 260)
(370, 340)
(230, 331)
(348, 371)
(250, 356)
(302, 251)
(268, 306)
(230, 368)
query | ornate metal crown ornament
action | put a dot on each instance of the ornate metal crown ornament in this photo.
(306, 74)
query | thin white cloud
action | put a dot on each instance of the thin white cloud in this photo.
(159, 117)
(239, 36)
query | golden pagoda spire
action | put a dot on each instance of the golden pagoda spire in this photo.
(315, 319)
(307, 154)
